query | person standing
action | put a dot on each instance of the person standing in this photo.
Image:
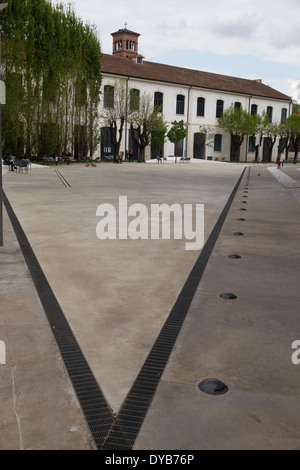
(131, 154)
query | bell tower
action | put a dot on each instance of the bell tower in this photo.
(125, 44)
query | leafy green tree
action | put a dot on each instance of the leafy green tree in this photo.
(293, 124)
(177, 132)
(270, 132)
(255, 127)
(56, 61)
(237, 123)
(147, 123)
(296, 106)
(284, 139)
(116, 111)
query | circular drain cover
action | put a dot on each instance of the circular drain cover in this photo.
(234, 256)
(213, 387)
(228, 296)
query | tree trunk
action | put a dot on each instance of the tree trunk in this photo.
(141, 156)
(296, 147)
(237, 144)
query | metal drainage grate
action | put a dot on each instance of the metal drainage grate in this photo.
(213, 387)
(228, 296)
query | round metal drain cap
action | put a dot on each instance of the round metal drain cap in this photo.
(234, 256)
(213, 387)
(228, 296)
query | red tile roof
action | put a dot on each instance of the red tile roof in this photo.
(125, 31)
(182, 76)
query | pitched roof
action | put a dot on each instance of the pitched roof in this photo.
(125, 31)
(183, 76)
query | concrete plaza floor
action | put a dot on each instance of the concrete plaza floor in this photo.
(117, 294)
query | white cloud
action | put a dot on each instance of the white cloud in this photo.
(264, 29)
(294, 86)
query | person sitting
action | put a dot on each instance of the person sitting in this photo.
(12, 165)
(118, 159)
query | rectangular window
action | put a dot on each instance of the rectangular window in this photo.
(283, 114)
(220, 108)
(251, 146)
(200, 107)
(158, 101)
(270, 113)
(109, 96)
(180, 104)
(218, 143)
(253, 109)
(134, 99)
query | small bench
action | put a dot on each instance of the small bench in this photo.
(23, 165)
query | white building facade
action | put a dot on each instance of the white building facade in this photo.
(198, 98)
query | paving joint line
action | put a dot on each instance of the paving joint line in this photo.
(63, 179)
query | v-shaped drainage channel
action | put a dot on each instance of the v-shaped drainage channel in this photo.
(119, 432)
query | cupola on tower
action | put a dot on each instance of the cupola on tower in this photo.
(125, 44)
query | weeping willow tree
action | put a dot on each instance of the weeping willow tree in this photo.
(51, 65)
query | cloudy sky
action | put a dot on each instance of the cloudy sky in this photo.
(243, 38)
